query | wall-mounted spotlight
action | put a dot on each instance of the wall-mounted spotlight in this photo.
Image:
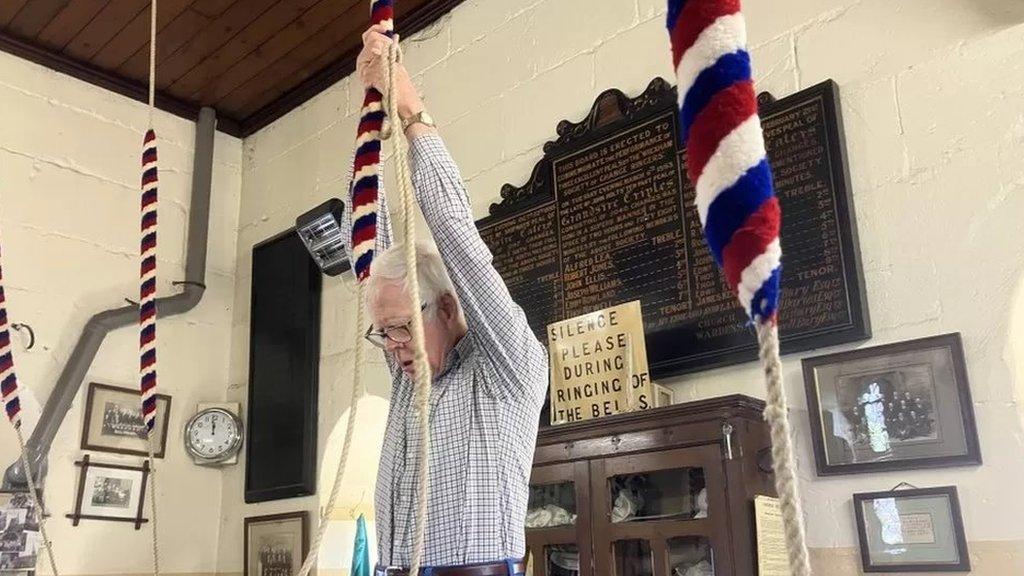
(320, 231)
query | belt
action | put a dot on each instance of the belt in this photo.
(488, 569)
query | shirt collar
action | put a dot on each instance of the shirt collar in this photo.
(462, 350)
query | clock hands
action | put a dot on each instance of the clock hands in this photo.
(205, 442)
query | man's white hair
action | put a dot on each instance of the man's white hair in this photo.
(389, 266)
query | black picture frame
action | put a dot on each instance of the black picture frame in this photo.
(284, 361)
(136, 518)
(302, 518)
(94, 442)
(957, 538)
(906, 452)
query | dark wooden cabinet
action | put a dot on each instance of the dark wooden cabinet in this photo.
(665, 492)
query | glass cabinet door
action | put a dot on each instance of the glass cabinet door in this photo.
(558, 521)
(653, 511)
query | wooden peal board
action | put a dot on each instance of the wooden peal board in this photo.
(607, 216)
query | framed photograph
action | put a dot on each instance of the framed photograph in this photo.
(900, 406)
(110, 492)
(19, 532)
(918, 530)
(276, 545)
(113, 421)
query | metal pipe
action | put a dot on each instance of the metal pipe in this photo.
(101, 324)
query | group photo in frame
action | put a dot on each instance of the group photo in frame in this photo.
(900, 406)
(113, 422)
(275, 544)
(111, 492)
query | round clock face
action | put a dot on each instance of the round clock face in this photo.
(213, 435)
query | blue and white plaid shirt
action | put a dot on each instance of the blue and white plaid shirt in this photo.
(485, 402)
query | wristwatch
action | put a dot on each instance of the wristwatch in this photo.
(421, 117)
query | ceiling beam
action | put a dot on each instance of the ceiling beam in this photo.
(408, 24)
(414, 21)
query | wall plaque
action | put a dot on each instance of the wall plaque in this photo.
(607, 217)
(599, 365)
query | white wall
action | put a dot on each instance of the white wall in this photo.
(934, 116)
(69, 191)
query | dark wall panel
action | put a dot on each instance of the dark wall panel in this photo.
(284, 357)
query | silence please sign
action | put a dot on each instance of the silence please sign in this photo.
(599, 364)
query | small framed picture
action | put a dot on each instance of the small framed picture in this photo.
(113, 422)
(110, 492)
(900, 406)
(276, 545)
(918, 530)
(19, 533)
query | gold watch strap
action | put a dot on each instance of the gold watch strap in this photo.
(421, 117)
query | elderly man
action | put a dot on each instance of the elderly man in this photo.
(490, 372)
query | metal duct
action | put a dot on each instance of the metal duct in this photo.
(101, 324)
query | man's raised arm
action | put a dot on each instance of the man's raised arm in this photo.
(494, 319)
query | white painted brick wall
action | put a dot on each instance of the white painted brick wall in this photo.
(561, 30)
(69, 177)
(431, 46)
(495, 63)
(476, 19)
(932, 102)
(529, 111)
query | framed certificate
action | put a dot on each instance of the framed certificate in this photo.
(919, 530)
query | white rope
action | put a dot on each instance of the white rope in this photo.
(422, 369)
(36, 502)
(420, 364)
(776, 413)
(152, 504)
(152, 60)
(419, 359)
(357, 394)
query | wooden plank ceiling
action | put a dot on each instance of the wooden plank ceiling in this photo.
(252, 60)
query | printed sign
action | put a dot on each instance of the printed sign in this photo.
(917, 528)
(771, 537)
(599, 364)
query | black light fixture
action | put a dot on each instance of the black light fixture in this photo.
(320, 231)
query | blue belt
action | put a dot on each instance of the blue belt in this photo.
(508, 567)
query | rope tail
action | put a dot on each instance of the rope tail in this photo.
(783, 461)
(728, 165)
(350, 428)
(422, 367)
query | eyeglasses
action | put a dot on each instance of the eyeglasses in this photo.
(400, 334)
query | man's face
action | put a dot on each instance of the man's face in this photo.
(390, 306)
